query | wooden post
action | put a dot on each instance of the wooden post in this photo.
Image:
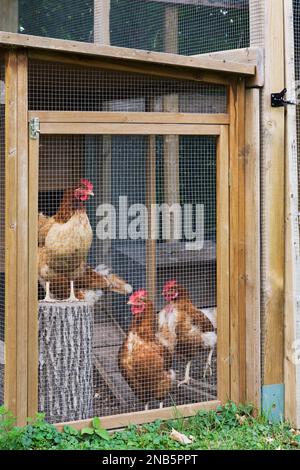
(273, 197)
(101, 22)
(9, 15)
(10, 378)
(16, 235)
(252, 246)
(292, 242)
(171, 104)
(237, 241)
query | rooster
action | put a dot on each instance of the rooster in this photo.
(64, 241)
(143, 361)
(185, 329)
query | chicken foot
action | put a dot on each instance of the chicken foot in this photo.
(186, 379)
(208, 364)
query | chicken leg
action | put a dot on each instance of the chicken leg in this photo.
(72, 297)
(186, 379)
(208, 364)
(48, 297)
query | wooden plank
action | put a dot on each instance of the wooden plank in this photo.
(33, 327)
(157, 70)
(237, 248)
(252, 247)
(238, 4)
(112, 376)
(129, 129)
(22, 240)
(292, 242)
(11, 182)
(135, 55)
(135, 117)
(273, 195)
(9, 17)
(223, 317)
(150, 201)
(141, 417)
(248, 55)
(101, 21)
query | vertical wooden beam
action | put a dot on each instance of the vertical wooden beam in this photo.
(22, 239)
(101, 22)
(237, 241)
(252, 246)
(150, 201)
(11, 181)
(33, 344)
(171, 104)
(273, 197)
(16, 235)
(292, 242)
(223, 317)
(9, 15)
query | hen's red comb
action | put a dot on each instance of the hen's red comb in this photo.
(170, 284)
(138, 295)
(89, 186)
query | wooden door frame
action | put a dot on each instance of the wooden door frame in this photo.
(51, 124)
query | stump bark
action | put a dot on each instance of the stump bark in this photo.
(66, 360)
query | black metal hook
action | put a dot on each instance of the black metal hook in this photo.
(278, 101)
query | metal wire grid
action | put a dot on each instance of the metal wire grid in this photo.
(80, 377)
(54, 86)
(195, 26)
(2, 225)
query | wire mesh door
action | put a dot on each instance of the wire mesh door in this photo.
(132, 272)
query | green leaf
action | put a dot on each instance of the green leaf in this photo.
(103, 434)
(96, 423)
(89, 431)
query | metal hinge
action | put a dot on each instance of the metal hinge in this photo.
(278, 101)
(34, 128)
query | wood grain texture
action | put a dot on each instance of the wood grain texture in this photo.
(140, 417)
(237, 241)
(9, 17)
(273, 198)
(129, 129)
(147, 118)
(223, 317)
(292, 242)
(135, 55)
(252, 246)
(11, 182)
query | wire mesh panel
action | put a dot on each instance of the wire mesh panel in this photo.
(126, 218)
(181, 26)
(2, 226)
(54, 86)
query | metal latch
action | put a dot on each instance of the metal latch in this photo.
(278, 101)
(34, 127)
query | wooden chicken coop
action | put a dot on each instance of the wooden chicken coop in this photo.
(126, 170)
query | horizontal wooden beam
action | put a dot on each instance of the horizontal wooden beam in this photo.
(238, 4)
(121, 53)
(249, 55)
(131, 117)
(128, 129)
(141, 417)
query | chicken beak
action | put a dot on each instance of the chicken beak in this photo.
(91, 193)
(129, 302)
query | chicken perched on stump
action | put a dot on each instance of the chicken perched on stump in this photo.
(143, 361)
(185, 329)
(64, 241)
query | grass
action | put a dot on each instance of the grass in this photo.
(228, 428)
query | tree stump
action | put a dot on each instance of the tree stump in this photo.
(66, 360)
